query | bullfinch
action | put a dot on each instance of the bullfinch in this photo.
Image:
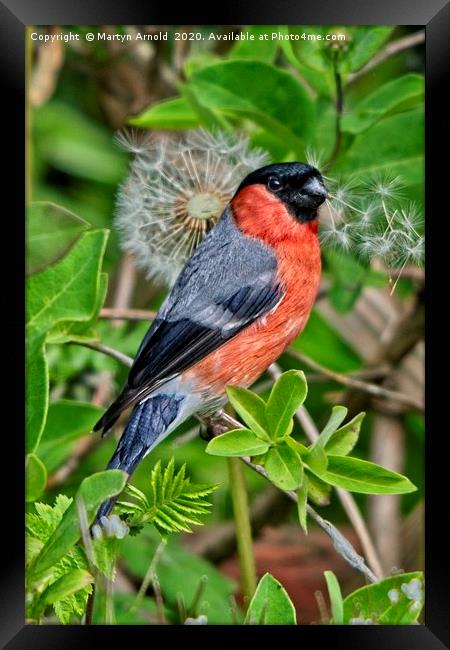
(241, 298)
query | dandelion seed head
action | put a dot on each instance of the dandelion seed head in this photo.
(175, 192)
(337, 236)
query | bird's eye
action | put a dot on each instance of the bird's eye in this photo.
(274, 184)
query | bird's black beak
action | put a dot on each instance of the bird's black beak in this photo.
(313, 193)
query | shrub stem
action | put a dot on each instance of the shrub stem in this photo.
(243, 529)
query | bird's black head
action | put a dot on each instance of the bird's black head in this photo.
(298, 185)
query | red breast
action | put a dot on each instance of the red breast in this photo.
(260, 214)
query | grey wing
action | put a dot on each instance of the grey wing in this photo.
(227, 284)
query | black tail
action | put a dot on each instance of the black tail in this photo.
(148, 422)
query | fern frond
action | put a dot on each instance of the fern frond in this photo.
(176, 503)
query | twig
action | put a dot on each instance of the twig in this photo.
(390, 50)
(113, 313)
(220, 423)
(105, 349)
(346, 499)
(353, 382)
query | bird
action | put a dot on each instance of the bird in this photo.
(242, 297)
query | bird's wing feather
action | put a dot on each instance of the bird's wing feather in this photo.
(227, 284)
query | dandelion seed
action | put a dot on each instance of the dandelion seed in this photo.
(387, 187)
(175, 192)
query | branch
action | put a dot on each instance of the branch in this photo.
(105, 349)
(353, 382)
(113, 313)
(222, 422)
(390, 50)
(346, 499)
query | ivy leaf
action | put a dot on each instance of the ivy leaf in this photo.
(251, 408)
(365, 477)
(51, 231)
(397, 600)
(238, 442)
(270, 604)
(36, 477)
(287, 395)
(334, 592)
(284, 467)
(93, 490)
(67, 290)
(342, 441)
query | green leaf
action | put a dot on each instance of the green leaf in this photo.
(348, 278)
(397, 600)
(284, 467)
(302, 501)
(337, 416)
(365, 42)
(68, 420)
(68, 289)
(323, 343)
(81, 330)
(238, 442)
(251, 408)
(334, 592)
(394, 146)
(316, 459)
(70, 141)
(287, 395)
(260, 48)
(310, 57)
(318, 490)
(51, 231)
(344, 439)
(68, 584)
(280, 104)
(270, 604)
(179, 572)
(362, 476)
(36, 477)
(396, 95)
(36, 379)
(93, 490)
(167, 114)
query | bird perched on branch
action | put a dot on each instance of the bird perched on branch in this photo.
(241, 298)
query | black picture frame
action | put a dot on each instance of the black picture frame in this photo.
(15, 15)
